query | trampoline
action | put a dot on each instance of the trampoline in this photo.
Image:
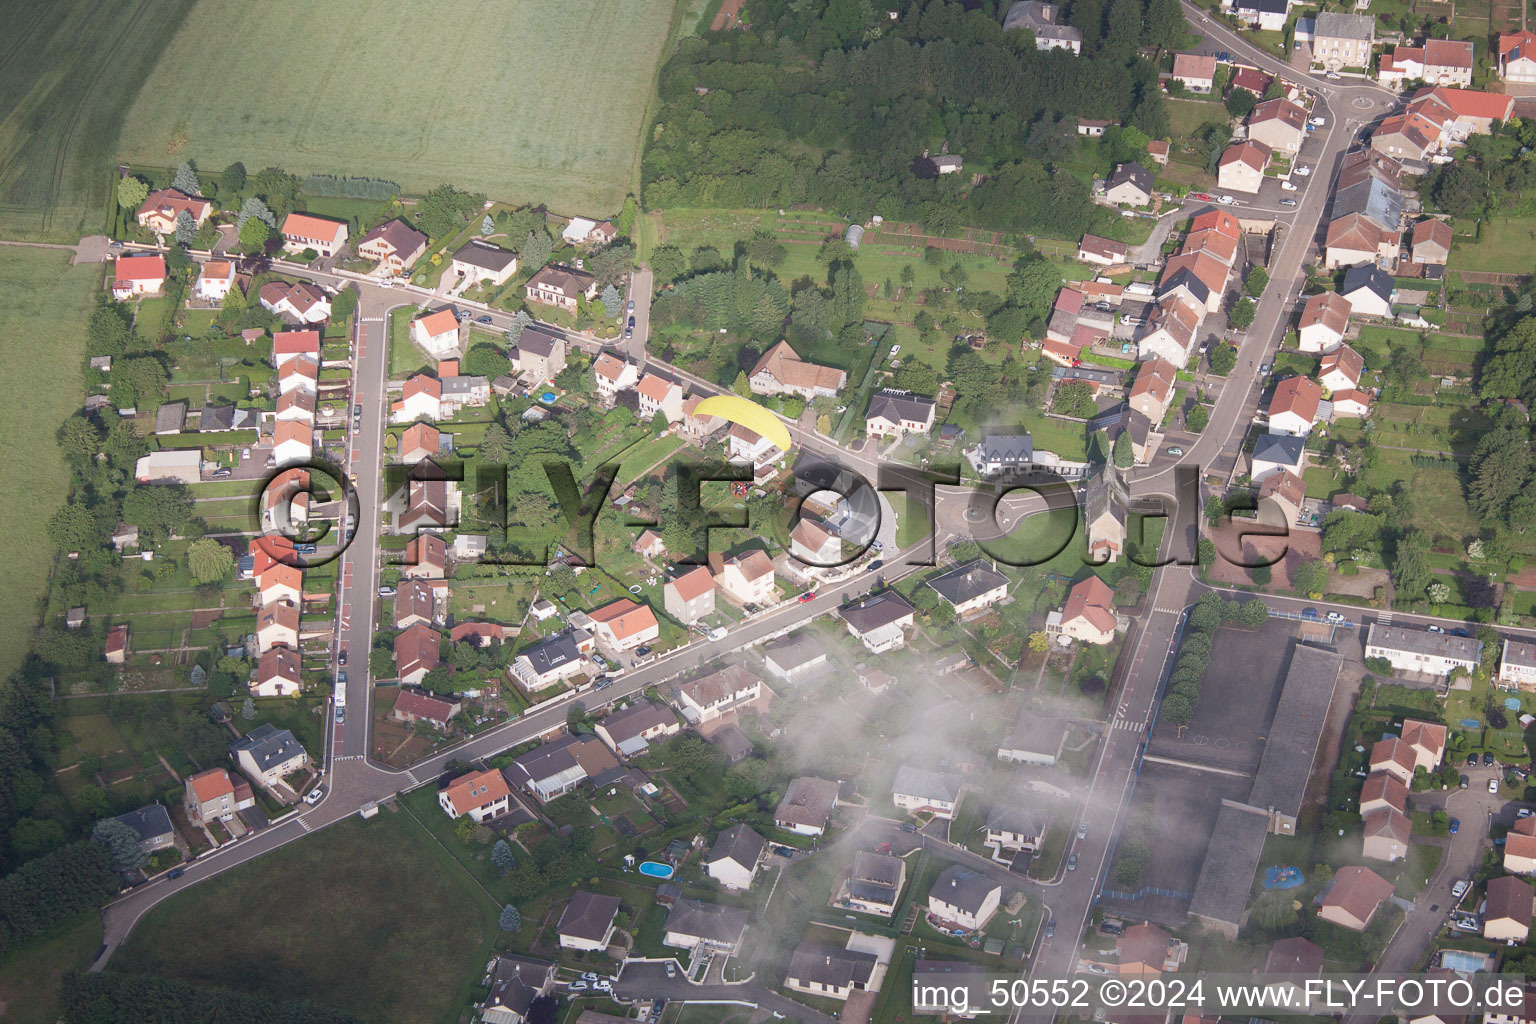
(1281, 877)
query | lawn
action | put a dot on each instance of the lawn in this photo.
(1500, 247)
(69, 71)
(1185, 117)
(527, 132)
(30, 977)
(328, 919)
(48, 305)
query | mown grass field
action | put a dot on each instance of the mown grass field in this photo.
(68, 71)
(541, 102)
(325, 919)
(46, 305)
(1500, 248)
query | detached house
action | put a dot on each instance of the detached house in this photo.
(1195, 71)
(708, 697)
(1103, 252)
(267, 753)
(807, 806)
(1324, 320)
(588, 921)
(1130, 185)
(1293, 409)
(734, 859)
(879, 621)
(394, 245)
(1507, 909)
(613, 375)
(480, 261)
(412, 706)
(214, 280)
(561, 287)
(438, 334)
(516, 981)
(1089, 613)
(1352, 900)
(971, 586)
(552, 659)
(479, 795)
(134, 276)
(555, 768)
(659, 395)
(306, 231)
(964, 899)
(781, 371)
(705, 927)
(1520, 847)
(540, 356)
(278, 674)
(1517, 664)
(1043, 19)
(214, 795)
(628, 732)
(923, 792)
(162, 208)
(691, 596)
(1279, 124)
(830, 972)
(1431, 242)
(1340, 369)
(1517, 57)
(874, 883)
(623, 625)
(420, 399)
(1013, 829)
(894, 413)
(1242, 166)
(748, 578)
(301, 302)
(1387, 833)
(815, 544)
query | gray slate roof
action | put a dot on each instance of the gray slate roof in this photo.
(148, 823)
(1370, 277)
(814, 964)
(268, 745)
(873, 612)
(1016, 818)
(897, 406)
(516, 983)
(968, 581)
(1331, 24)
(1421, 641)
(588, 916)
(484, 255)
(923, 784)
(707, 921)
(1008, 449)
(739, 844)
(628, 723)
(1279, 448)
(552, 652)
(963, 888)
(1133, 173)
(1374, 198)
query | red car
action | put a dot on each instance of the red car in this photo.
(1203, 197)
(809, 595)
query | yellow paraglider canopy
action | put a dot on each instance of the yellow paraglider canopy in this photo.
(749, 414)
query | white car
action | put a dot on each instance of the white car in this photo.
(1460, 888)
(895, 350)
(1302, 171)
(314, 795)
(588, 976)
(1287, 186)
(1319, 121)
(716, 634)
(1226, 200)
(577, 986)
(1524, 812)
(1493, 785)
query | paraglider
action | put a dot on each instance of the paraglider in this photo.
(750, 415)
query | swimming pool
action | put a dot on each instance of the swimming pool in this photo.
(656, 870)
(1462, 962)
(548, 398)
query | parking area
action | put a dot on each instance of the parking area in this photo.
(1237, 700)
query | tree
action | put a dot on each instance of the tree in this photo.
(444, 210)
(1261, 575)
(186, 228)
(1311, 578)
(510, 920)
(1215, 509)
(1258, 277)
(1241, 315)
(1165, 27)
(79, 438)
(1223, 359)
(233, 178)
(131, 193)
(109, 331)
(122, 844)
(248, 709)
(74, 528)
(381, 664)
(667, 263)
(1501, 466)
(161, 508)
(1460, 189)
(1124, 457)
(537, 249)
(1253, 614)
(1039, 641)
(764, 250)
(176, 259)
(1439, 592)
(255, 208)
(521, 320)
(1240, 103)
(1274, 909)
(501, 856)
(344, 304)
(741, 385)
(1177, 709)
(209, 561)
(748, 778)
(612, 303)
(1196, 419)
(253, 236)
(186, 181)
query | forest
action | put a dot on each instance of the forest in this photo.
(833, 104)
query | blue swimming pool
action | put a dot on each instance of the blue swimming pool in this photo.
(1462, 962)
(656, 870)
(548, 398)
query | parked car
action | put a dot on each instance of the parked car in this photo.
(716, 634)
(482, 319)
(1460, 632)
(642, 651)
(341, 676)
(1072, 863)
(1455, 826)
(1524, 812)
(1050, 929)
(1175, 450)
(1471, 760)
(1303, 170)
(1319, 121)
(1460, 888)
(631, 322)
(600, 661)
(1287, 202)
(877, 563)
(1288, 187)
(808, 596)
(1487, 759)
(1437, 629)
(175, 873)
(630, 305)
(1226, 200)
(386, 591)
(671, 970)
(581, 986)
(787, 852)
(314, 795)
(907, 826)
(463, 315)
(1493, 786)
(1082, 831)
(588, 976)
(222, 474)
(1466, 781)
(1310, 614)
(341, 656)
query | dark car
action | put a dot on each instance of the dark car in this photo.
(1310, 614)
(1466, 781)
(642, 651)
(1471, 760)
(786, 852)
(1487, 759)
(601, 683)
(1050, 929)
(1072, 863)
(1455, 826)
(482, 319)
(907, 826)
(631, 322)
(341, 656)
(1460, 632)
(877, 563)
(175, 872)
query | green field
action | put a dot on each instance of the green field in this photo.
(30, 977)
(68, 71)
(1500, 247)
(44, 313)
(372, 917)
(544, 102)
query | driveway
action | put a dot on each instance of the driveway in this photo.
(640, 283)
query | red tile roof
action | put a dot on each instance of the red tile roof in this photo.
(625, 618)
(306, 225)
(143, 267)
(693, 583)
(1093, 600)
(1296, 395)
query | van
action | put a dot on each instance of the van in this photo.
(716, 634)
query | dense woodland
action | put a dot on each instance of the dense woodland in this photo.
(134, 998)
(833, 104)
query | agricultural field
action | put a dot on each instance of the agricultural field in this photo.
(323, 920)
(528, 130)
(68, 71)
(48, 304)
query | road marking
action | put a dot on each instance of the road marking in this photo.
(412, 776)
(305, 825)
(1129, 726)
(1169, 611)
